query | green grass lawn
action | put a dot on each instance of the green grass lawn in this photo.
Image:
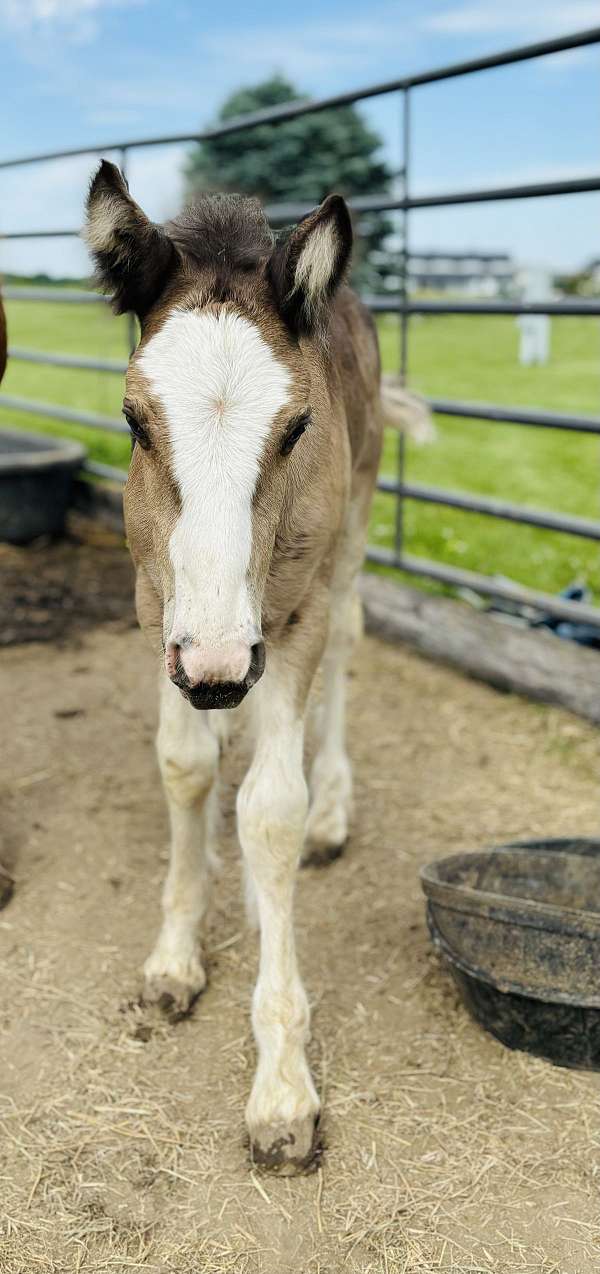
(465, 357)
(68, 329)
(475, 358)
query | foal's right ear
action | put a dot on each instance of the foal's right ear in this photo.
(133, 256)
(309, 264)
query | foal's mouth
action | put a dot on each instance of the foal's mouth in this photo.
(221, 694)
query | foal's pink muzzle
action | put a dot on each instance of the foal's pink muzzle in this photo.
(209, 664)
(215, 676)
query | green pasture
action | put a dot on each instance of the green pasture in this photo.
(464, 357)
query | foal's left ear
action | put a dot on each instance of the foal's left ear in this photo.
(307, 267)
(133, 256)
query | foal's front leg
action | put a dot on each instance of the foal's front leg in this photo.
(272, 805)
(188, 754)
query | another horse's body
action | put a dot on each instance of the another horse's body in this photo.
(254, 399)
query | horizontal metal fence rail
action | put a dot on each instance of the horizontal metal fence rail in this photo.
(379, 304)
(588, 528)
(71, 415)
(106, 471)
(280, 214)
(558, 309)
(489, 412)
(400, 305)
(495, 414)
(487, 586)
(77, 361)
(55, 296)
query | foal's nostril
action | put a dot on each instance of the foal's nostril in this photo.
(172, 658)
(257, 663)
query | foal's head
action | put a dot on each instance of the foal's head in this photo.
(219, 391)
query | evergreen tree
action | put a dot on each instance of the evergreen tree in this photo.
(298, 160)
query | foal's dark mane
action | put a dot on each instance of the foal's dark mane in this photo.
(227, 231)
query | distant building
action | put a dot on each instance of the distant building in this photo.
(488, 273)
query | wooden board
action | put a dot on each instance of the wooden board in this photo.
(526, 661)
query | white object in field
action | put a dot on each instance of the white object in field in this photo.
(534, 329)
(534, 342)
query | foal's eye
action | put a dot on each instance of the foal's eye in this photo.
(138, 433)
(295, 430)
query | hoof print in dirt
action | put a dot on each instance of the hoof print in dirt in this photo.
(295, 1152)
(137, 1027)
(142, 1032)
(322, 856)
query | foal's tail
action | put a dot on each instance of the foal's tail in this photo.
(406, 411)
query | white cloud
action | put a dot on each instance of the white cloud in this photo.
(27, 12)
(314, 48)
(77, 20)
(482, 17)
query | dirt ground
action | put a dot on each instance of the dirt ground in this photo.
(122, 1138)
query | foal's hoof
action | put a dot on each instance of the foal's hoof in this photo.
(288, 1151)
(173, 990)
(321, 855)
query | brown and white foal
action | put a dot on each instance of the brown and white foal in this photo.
(254, 402)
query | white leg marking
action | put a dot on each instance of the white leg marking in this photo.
(331, 775)
(272, 804)
(188, 752)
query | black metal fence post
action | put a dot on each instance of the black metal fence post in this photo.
(403, 311)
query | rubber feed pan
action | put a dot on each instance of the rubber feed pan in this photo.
(519, 926)
(36, 483)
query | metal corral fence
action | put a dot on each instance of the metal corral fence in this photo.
(401, 304)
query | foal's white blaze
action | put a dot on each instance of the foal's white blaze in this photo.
(220, 387)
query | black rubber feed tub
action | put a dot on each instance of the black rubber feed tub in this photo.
(36, 483)
(519, 926)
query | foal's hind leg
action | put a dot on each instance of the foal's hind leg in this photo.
(330, 783)
(188, 753)
(331, 775)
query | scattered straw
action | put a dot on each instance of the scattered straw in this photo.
(121, 1135)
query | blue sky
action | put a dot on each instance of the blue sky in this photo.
(75, 72)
